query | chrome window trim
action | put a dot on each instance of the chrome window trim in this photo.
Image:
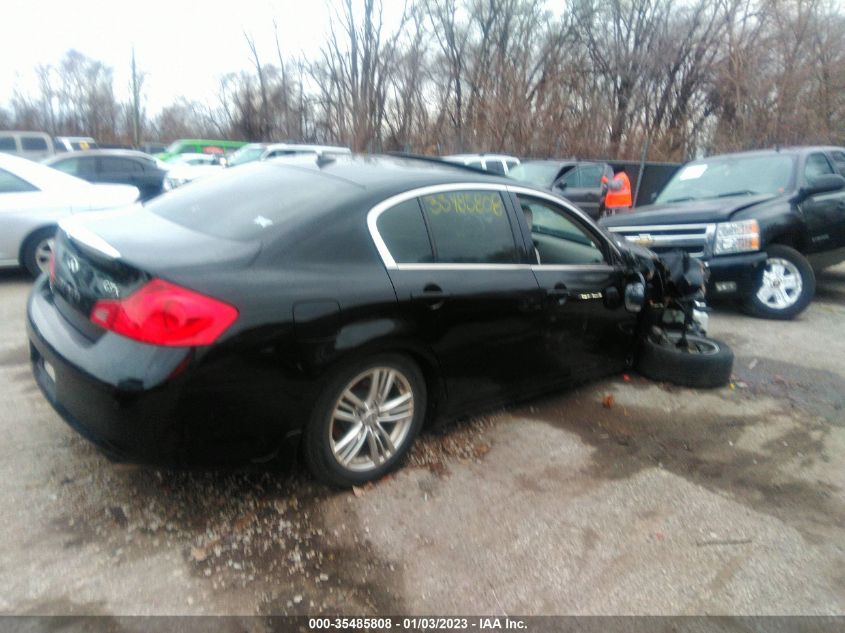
(375, 212)
(599, 268)
(661, 227)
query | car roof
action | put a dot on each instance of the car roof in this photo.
(308, 148)
(482, 156)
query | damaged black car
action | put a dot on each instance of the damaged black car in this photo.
(340, 306)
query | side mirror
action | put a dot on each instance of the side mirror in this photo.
(560, 186)
(823, 184)
(634, 296)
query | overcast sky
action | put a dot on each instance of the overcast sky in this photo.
(182, 45)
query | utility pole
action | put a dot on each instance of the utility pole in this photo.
(136, 104)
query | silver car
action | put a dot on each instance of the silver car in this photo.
(34, 197)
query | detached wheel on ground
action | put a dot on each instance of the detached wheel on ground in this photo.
(365, 420)
(35, 255)
(786, 287)
(702, 363)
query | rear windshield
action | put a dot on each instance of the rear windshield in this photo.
(252, 202)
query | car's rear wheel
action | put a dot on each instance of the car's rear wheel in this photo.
(702, 362)
(365, 420)
(786, 287)
(35, 255)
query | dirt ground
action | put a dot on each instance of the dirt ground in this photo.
(670, 501)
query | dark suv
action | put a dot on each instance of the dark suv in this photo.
(763, 221)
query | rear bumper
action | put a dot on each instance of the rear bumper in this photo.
(125, 397)
(737, 275)
(126, 422)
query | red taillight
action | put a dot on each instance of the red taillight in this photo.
(52, 266)
(161, 313)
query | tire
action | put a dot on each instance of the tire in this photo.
(33, 251)
(784, 267)
(323, 439)
(705, 364)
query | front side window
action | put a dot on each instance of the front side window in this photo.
(7, 144)
(558, 238)
(9, 183)
(591, 176)
(571, 179)
(816, 165)
(469, 227)
(403, 231)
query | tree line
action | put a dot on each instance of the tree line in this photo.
(589, 78)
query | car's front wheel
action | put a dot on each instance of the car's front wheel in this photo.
(786, 287)
(365, 420)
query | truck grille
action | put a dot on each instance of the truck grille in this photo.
(695, 239)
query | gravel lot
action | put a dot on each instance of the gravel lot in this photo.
(670, 501)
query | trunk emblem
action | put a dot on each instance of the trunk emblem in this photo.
(72, 264)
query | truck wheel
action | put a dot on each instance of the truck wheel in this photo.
(702, 363)
(786, 287)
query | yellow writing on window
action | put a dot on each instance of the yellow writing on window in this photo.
(479, 203)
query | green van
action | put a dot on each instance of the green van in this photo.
(199, 146)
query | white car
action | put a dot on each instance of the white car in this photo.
(496, 163)
(186, 168)
(34, 197)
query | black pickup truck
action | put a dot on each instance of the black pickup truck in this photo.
(763, 222)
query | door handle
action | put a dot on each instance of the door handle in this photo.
(432, 295)
(559, 292)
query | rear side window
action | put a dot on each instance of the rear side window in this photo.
(469, 227)
(403, 230)
(496, 166)
(7, 144)
(112, 164)
(817, 165)
(9, 183)
(33, 144)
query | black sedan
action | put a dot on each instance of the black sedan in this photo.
(125, 167)
(337, 307)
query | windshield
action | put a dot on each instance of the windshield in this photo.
(245, 155)
(542, 174)
(725, 176)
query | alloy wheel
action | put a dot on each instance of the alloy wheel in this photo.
(371, 419)
(782, 284)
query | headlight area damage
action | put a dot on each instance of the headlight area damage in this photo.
(668, 291)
